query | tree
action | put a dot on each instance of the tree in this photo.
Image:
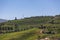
(16, 27)
(15, 18)
(52, 22)
(42, 27)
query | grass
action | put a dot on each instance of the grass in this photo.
(23, 35)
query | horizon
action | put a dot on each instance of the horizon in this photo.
(9, 9)
(29, 17)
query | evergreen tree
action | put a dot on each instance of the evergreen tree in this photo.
(15, 18)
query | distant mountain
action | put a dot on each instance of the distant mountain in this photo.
(2, 20)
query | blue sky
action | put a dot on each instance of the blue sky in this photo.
(9, 9)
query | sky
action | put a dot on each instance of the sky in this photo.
(9, 9)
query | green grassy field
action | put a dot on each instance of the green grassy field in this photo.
(23, 35)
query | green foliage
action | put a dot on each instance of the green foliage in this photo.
(24, 29)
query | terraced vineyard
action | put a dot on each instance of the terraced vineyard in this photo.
(33, 28)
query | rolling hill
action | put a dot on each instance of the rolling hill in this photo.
(32, 28)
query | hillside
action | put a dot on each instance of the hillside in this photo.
(2, 20)
(23, 35)
(31, 28)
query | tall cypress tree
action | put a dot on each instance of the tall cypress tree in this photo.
(15, 18)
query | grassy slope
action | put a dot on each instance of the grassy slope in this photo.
(24, 35)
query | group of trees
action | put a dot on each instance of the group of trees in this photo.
(15, 24)
(10, 27)
(6, 29)
(48, 29)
